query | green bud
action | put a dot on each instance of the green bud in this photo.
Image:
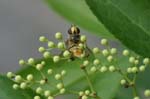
(147, 93)
(58, 35)
(61, 45)
(39, 90)
(37, 97)
(105, 52)
(66, 53)
(46, 54)
(104, 41)
(62, 91)
(42, 39)
(31, 61)
(83, 38)
(23, 85)
(29, 77)
(15, 86)
(21, 62)
(96, 50)
(96, 62)
(51, 44)
(41, 49)
(113, 51)
(56, 59)
(125, 52)
(123, 82)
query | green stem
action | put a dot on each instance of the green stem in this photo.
(89, 81)
(125, 76)
(134, 91)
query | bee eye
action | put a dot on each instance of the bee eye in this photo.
(78, 31)
(69, 31)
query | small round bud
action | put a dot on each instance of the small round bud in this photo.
(96, 62)
(58, 35)
(81, 93)
(105, 52)
(31, 61)
(18, 78)
(47, 93)
(57, 76)
(39, 66)
(96, 50)
(146, 61)
(125, 52)
(147, 93)
(62, 91)
(104, 41)
(142, 68)
(66, 53)
(50, 44)
(42, 82)
(10, 75)
(63, 72)
(136, 62)
(84, 97)
(41, 49)
(87, 92)
(129, 70)
(103, 69)
(123, 82)
(23, 85)
(46, 54)
(50, 97)
(131, 59)
(113, 51)
(83, 38)
(15, 86)
(59, 86)
(30, 77)
(81, 45)
(43, 63)
(86, 62)
(61, 45)
(21, 62)
(42, 39)
(37, 97)
(136, 97)
(110, 58)
(49, 71)
(134, 69)
(39, 90)
(112, 68)
(93, 69)
(56, 59)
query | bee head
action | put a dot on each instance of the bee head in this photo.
(73, 30)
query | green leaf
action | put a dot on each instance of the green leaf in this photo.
(75, 78)
(78, 13)
(127, 20)
(7, 92)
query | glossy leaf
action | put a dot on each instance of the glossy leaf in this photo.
(7, 92)
(127, 20)
(78, 13)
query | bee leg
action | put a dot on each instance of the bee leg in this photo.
(72, 58)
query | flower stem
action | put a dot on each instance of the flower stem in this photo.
(90, 84)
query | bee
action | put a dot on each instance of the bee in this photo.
(74, 41)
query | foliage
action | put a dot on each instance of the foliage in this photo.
(99, 76)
